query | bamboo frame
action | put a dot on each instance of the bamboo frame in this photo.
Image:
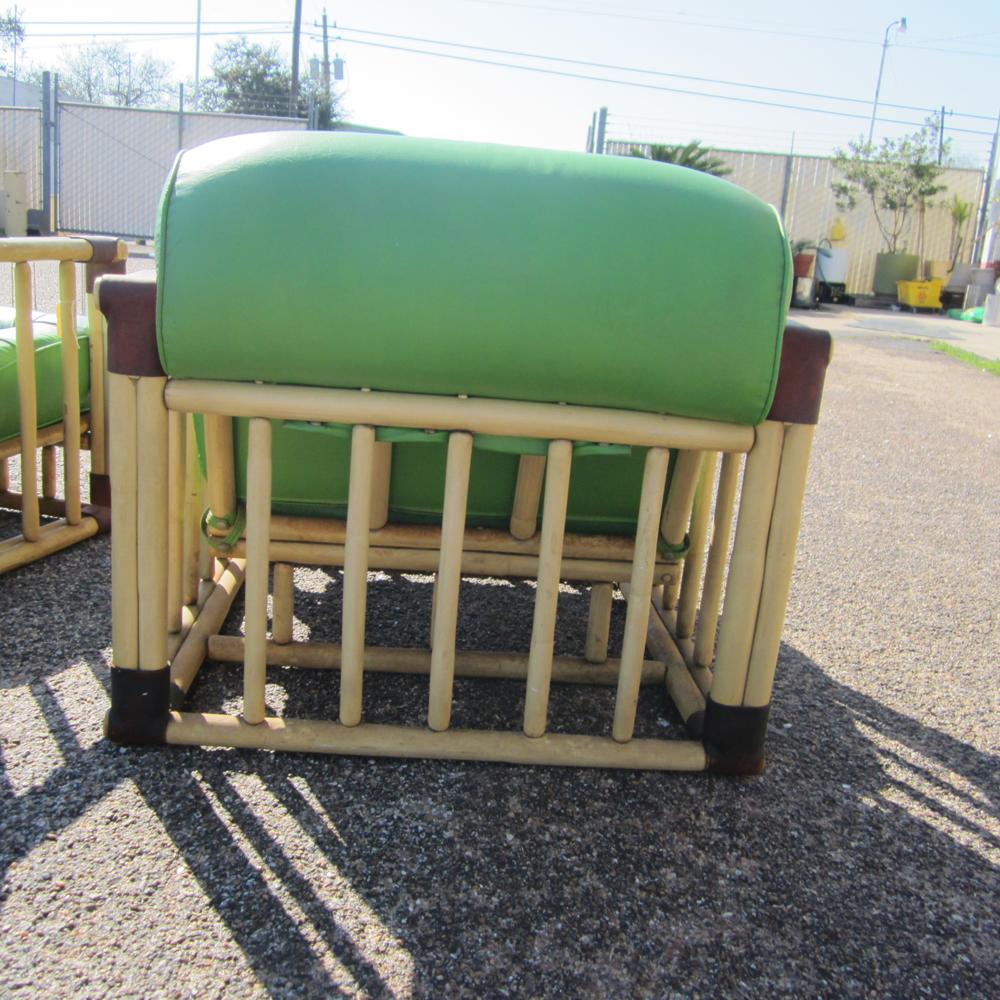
(282, 602)
(356, 573)
(448, 580)
(536, 696)
(257, 566)
(599, 623)
(694, 563)
(36, 540)
(527, 496)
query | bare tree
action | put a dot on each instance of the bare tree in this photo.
(111, 74)
(11, 34)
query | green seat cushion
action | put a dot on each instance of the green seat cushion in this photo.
(402, 264)
(48, 376)
(437, 267)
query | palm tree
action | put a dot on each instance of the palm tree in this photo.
(692, 155)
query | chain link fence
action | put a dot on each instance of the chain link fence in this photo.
(113, 161)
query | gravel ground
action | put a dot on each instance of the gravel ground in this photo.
(863, 863)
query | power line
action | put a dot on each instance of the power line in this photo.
(640, 85)
(649, 72)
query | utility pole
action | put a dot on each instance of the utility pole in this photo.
(326, 60)
(984, 209)
(197, 55)
(293, 96)
(941, 137)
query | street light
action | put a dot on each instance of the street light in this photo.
(878, 86)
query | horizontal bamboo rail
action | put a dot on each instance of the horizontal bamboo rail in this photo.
(36, 248)
(46, 437)
(480, 416)
(473, 563)
(404, 660)
(368, 740)
(52, 537)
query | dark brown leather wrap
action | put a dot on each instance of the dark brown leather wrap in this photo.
(129, 303)
(805, 354)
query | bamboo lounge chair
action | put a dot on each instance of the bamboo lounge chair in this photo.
(410, 355)
(51, 396)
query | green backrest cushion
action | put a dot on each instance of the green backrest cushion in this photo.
(402, 264)
(48, 376)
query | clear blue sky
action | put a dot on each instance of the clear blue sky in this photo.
(949, 55)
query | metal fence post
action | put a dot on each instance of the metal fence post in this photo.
(56, 153)
(180, 118)
(47, 213)
(602, 124)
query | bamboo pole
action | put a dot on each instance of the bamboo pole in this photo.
(381, 478)
(220, 465)
(193, 500)
(98, 375)
(640, 592)
(176, 469)
(780, 562)
(746, 566)
(52, 537)
(28, 411)
(448, 581)
(49, 471)
(426, 536)
(51, 435)
(479, 416)
(258, 525)
(598, 622)
(715, 570)
(536, 699)
(682, 686)
(369, 740)
(151, 548)
(677, 510)
(527, 496)
(408, 660)
(122, 459)
(356, 573)
(61, 248)
(694, 564)
(473, 563)
(282, 603)
(4, 475)
(187, 661)
(66, 317)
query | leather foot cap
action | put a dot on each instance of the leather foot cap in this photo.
(733, 736)
(140, 706)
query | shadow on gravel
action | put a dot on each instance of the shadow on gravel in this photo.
(862, 856)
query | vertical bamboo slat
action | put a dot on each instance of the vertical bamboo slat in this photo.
(66, 316)
(359, 500)
(177, 467)
(687, 605)
(98, 407)
(28, 412)
(445, 613)
(715, 571)
(122, 466)
(151, 482)
(527, 494)
(639, 594)
(746, 566)
(282, 603)
(221, 471)
(677, 511)
(193, 499)
(536, 700)
(780, 561)
(598, 623)
(381, 478)
(258, 532)
(49, 471)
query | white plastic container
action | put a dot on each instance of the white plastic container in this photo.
(833, 268)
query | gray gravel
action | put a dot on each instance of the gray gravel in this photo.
(863, 863)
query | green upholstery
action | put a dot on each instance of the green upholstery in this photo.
(48, 375)
(426, 266)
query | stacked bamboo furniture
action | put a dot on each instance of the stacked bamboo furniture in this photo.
(459, 360)
(52, 396)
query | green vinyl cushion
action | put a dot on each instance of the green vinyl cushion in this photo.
(402, 264)
(48, 376)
